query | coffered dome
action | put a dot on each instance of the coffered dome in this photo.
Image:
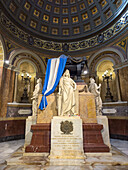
(63, 20)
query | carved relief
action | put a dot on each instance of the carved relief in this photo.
(66, 127)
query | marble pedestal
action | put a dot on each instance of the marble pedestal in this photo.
(40, 142)
(31, 120)
(103, 120)
(66, 141)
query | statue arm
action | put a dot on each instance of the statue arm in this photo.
(98, 87)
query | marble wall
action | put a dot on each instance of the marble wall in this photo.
(1, 71)
(11, 87)
(123, 74)
(11, 129)
(7, 87)
(115, 109)
(118, 128)
(19, 110)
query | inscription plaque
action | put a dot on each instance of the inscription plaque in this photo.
(66, 141)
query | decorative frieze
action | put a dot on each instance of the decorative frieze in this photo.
(65, 47)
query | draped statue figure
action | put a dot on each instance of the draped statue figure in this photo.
(93, 88)
(36, 93)
(66, 96)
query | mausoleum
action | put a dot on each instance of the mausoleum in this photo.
(64, 83)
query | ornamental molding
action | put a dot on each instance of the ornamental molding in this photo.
(103, 37)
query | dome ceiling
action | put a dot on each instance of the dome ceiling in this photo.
(63, 20)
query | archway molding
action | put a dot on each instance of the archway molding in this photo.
(22, 54)
(111, 50)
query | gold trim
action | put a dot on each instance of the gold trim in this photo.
(115, 104)
(12, 118)
(19, 105)
(118, 117)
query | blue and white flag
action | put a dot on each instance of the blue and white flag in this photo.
(54, 71)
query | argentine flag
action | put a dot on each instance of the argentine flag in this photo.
(54, 71)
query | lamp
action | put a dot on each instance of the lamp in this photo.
(26, 79)
(84, 71)
(107, 77)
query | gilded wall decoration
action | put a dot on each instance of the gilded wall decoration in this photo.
(9, 46)
(63, 14)
(103, 3)
(123, 44)
(71, 46)
(1, 52)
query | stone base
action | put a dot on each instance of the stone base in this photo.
(93, 141)
(87, 110)
(35, 154)
(40, 139)
(66, 141)
(31, 120)
(103, 120)
(96, 161)
(108, 154)
(92, 138)
(66, 162)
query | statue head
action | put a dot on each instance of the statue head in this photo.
(66, 73)
(39, 80)
(92, 80)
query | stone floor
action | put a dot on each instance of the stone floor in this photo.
(122, 145)
(11, 159)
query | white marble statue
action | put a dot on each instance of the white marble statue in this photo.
(93, 88)
(66, 95)
(36, 93)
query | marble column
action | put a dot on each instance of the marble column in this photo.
(5, 91)
(15, 90)
(1, 84)
(118, 84)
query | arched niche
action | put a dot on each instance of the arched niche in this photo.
(101, 67)
(19, 54)
(105, 59)
(26, 67)
(116, 55)
(25, 61)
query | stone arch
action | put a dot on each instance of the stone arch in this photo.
(18, 54)
(111, 50)
(111, 53)
(27, 60)
(24, 67)
(104, 59)
(22, 56)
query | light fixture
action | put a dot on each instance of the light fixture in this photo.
(84, 70)
(26, 79)
(107, 77)
(6, 61)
